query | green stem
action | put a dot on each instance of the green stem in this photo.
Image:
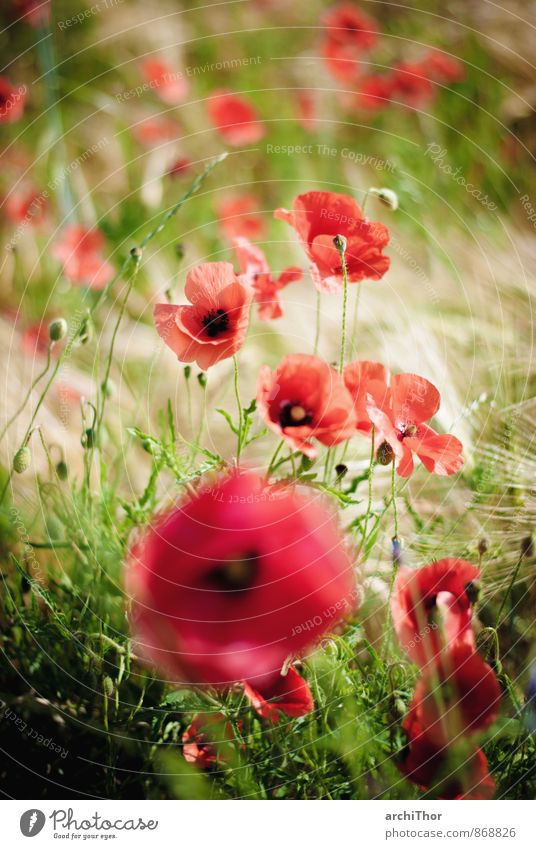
(393, 499)
(341, 247)
(369, 502)
(239, 405)
(509, 590)
(28, 394)
(354, 319)
(275, 455)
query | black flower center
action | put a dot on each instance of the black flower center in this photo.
(216, 322)
(235, 575)
(294, 415)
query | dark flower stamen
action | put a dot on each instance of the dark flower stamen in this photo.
(235, 575)
(294, 415)
(216, 322)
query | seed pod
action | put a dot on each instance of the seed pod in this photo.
(341, 470)
(108, 388)
(108, 685)
(482, 546)
(89, 438)
(187, 372)
(136, 253)
(384, 454)
(202, 378)
(22, 460)
(57, 329)
(85, 334)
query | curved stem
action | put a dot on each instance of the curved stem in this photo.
(239, 405)
(28, 394)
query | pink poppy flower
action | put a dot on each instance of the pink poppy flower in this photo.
(431, 608)
(414, 400)
(257, 274)
(411, 83)
(305, 398)
(170, 85)
(319, 216)
(12, 100)
(235, 118)
(346, 24)
(24, 203)
(443, 68)
(365, 379)
(239, 215)
(80, 251)
(235, 578)
(214, 327)
(288, 695)
(375, 93)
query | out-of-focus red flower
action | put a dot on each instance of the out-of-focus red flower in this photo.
(256, 273)
(414, 400)
(181, 167)
(412, 84)
(306, 111)
(319, 216)
(457, 695)
(363, 379)
(169, 84)
(80, 250)
(342, 60)
(443, 68)
(346, 24)
(35, 12)
(230, 582)
(24, 203)
(288, 695)
(239, 215)
(305, 398)
(458, 773)
(154, 131)
(198, 747)
(235, 118)
(35, 340)
(12, 100)
(214, 327)
(374, 93)
(431, 609)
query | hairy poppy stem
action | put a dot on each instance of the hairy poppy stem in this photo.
(340, 244)
(369, 501)
(239, 405)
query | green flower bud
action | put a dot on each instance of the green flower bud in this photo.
(22, 460)
(85, 334)
(57, 329)
(386, 196)
(340, 243)
(187, 372)
(108, 388)
(136, 253)
(202, 378)
(62, 470)
(89, 438)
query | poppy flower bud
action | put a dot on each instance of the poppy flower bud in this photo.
(22, 460)
(62, 470)
(482, 546)
(108, 388)
(202, 378)
(341, 470)
(340, 243)
(399, 707)
(136, 253)
(89, 438)
(384, 454)
(57, 329)
(472, 591)
(179, 251)
(187, 372)
(85, 334)
(386, 196)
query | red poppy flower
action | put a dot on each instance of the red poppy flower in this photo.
(239, 215)
(232, 581)
(319, 216)
(198, 747)
(257, 274)
(459, 773)
(12, 100)
(170, 85)
(35, 12)
(443, 68)
(214, 327)
(414, 400)
(154, 131)
(23, 203)
(363, 379)
(346, 24)
(305, 398)
(288, 695)
(235, 118)
(431, 608)
(412, 84)
(457, 695)
(181, 167)
(343, 60)
(80, 251)
(375, 93)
